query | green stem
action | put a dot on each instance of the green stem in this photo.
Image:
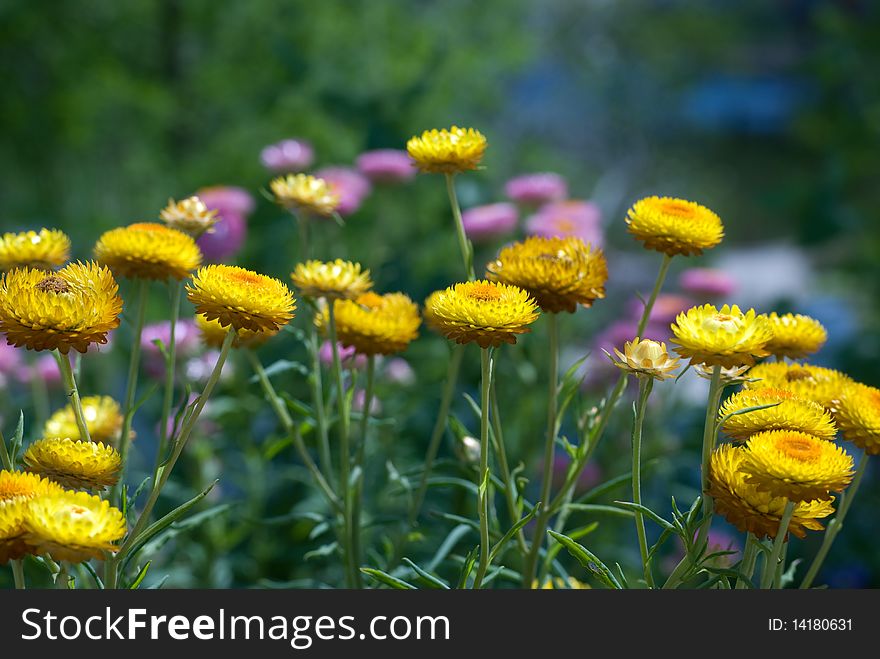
(531, 565)
(749, 559)
(131, 384)
(110, 572)
(836, 524)
(483, 475)
(170, 366)
(318, 401)
(359, 459)
(439, 428)
(645, 385)
(73, 394)
(710, 432)
(514, 509)
(771, 563)
(18, 574)
(467, 250)
(780, 568)
(351, 560)
(5, 458)
(292, 429)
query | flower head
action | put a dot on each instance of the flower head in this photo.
(752, 510)
(857, 411)
(489, 221)
(536, 189)
(485, 312)
(72, 526)
(74, 463)
(191, 216)
(45, 249)
(447, 151)
(706, 283)
(305, 193)
(646, 357)
(103, 419)
(288, 156)
(795, 335)
(386, 165)
(147, 250)
(350, 186)
(726, 337)
(728, 375)
(17, 489)
(561, 273)
(795, 465)
(561, 219)
(790, 412)
(241, 298)
(807, 381)
(375, 324)
(233, 205)
(333, 280)
(213, 334)
(674, 226)
(21, 484)
(72, 308)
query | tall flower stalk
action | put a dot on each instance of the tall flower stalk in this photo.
(645, 385)
(170, 372)
(483, 474)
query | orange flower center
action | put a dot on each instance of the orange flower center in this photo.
(14, 488)
(148, 226)
(723, 318)
(245, 277)
(799, 448)
(677, 209)
(565, 225)
(53, 284)
(370, 300)
(484, 292)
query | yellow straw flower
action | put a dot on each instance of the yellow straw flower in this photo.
(191, 216)
(560, 273)
(74, 463)
(646, 357)
(71, 308)
(795, 465)
(728, 375)
(213, 334)
(790, 413)
(73, 526)
(857, 411)
(674, 226)
(486, 312)
(333, 280)
(241, 298)
(558, 583)
(45, 249)
(15, 484)
(375, 324)
(795, 336)
(807, 381)
(305, 193)
(754, 511)
(447, 151)
(147, 250)
(726, 337)
(16, 489)
(103, 419)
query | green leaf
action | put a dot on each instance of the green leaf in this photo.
(459, 430)
(140, 577)
(15, 446)
(427, 578)
(275, 447)
(745, 410)
(448, 545)
(588, 560)
(467, 567)
(607, 486)
(323, 550)
(788, 575)
(281, 366)
(512, 531)
(647, 512)
(574, 535)
(387, 579)
(600, 509)
(99, 583)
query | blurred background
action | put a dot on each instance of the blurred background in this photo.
(767, 113)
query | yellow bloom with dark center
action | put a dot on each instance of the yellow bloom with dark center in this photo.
(485, 312)
(305, 193)
(752, 510)
(147, 250)
(807, 381)
(213, 334)
(71, 308)
(791, 412)
(73, 526)
(795, 465)
(102, 414)
(190, 215)
(726, 337)
(45, 249)
(674, 226)
(857, 411)
(375, 324)
(333, 280)
(74, 463)
(241, 298)
(447, 151)
(795, 335)
(560, 273)
(646, 357)
(15, 484)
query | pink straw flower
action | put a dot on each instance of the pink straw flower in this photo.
(707, 283)
(386, 166)
(568, 218)
(489, 221)
(351, 186)
(288, 156)
(233, 205)
(536, 189)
